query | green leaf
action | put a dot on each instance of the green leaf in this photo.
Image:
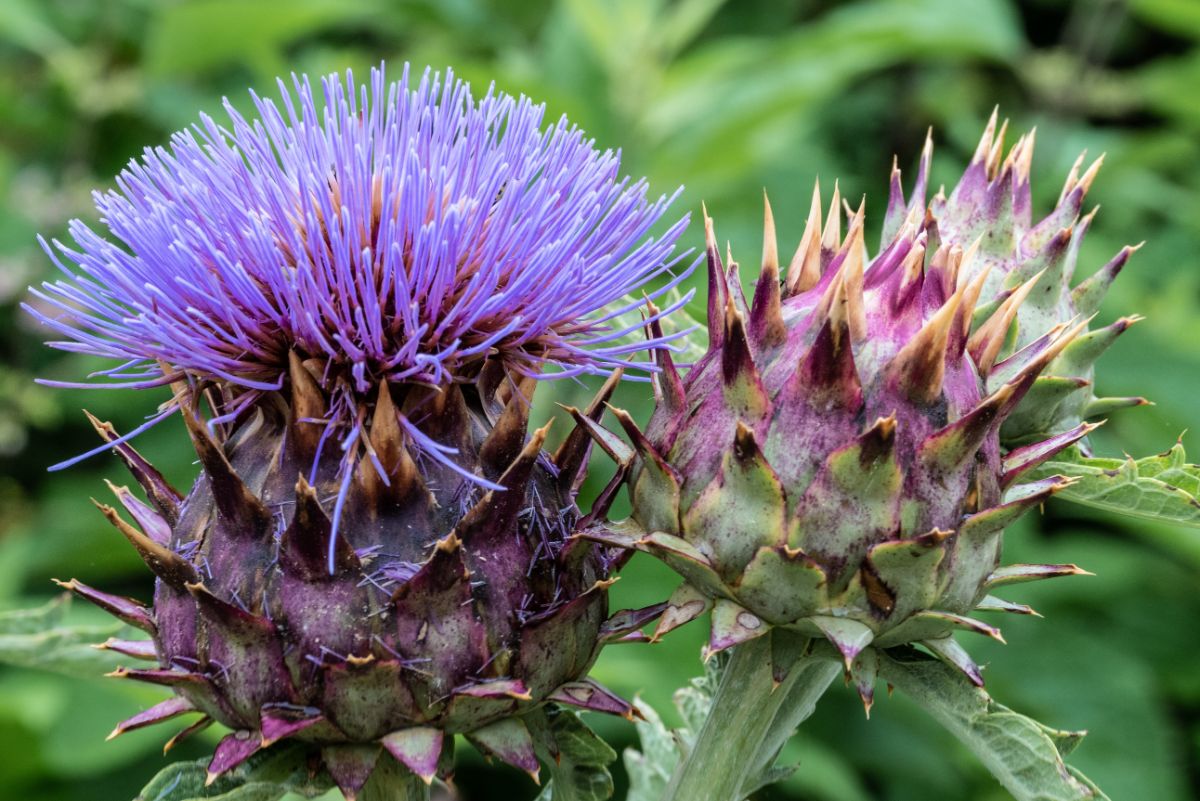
(662, 748)
(190, 38)
(577, 758)
(41, 638)
(1163, 487)
(1024, 756)
(692, 335)
(34, 619)
(267, 777)
(650, 769)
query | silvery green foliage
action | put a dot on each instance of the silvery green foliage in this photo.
(577, 758)
(1025, 756)
(1164, 487)
(45, 638)
(662, 746)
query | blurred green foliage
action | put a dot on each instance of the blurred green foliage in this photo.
(727, 97)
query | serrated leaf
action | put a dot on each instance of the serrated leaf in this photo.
(1018, 751)
(662, 748)
(267, 777)
(34, 619)
(40, 638)
(692, 335)
(577, 758)
(650, 768)
(1163, 487)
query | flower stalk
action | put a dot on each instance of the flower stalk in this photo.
(752, 716)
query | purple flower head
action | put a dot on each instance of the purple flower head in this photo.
(400, 232)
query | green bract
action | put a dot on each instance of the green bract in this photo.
(1031, 268)
(833, 466)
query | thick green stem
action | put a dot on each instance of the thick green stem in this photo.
(727, 748)
(815, 676)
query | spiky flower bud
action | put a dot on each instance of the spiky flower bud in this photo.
(365, 294)
(832, 466)
(1032, 267)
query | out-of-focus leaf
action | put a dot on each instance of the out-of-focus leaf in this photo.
(1017, 750)
(1162, 487)
(577, 758)
(23, 23)
(650, 768)
(35, 619)
(38, 638)
(266, 778)
(203, 34)
(1180, 17)
(761, 81)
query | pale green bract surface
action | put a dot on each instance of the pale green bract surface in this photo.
(1164, 487)
(1024, 756)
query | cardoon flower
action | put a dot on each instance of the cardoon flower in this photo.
(832, 468)
(364, 292)
(1031, 282)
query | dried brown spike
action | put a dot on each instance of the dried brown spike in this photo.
(912, 276)
(234, 500)
(496, 510)
(804, 271)
(966, 309)
(1023, 161)
(304, 544)
(639, 440)
(166, 564)
(737, 360)
(1085, 181)
(766, 314)
(827, 373)
(612, 444)
(150, 521)
(386, 438)
(851, 273)
(993, 157)
(308, 404)
(572, 455)
(1072, 178)
(920, 366)
(985, 141)
(831, 237)
(507, 437)
(718, 290)
(165, 498)
(130, 610)
(668, 386)
(770, 257)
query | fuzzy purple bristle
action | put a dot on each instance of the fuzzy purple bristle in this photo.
(398, 231)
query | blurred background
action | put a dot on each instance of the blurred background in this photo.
(727, 98)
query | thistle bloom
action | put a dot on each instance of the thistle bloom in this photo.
(365, 295)
(400, 233)
(833, 467)
(1031, 267)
